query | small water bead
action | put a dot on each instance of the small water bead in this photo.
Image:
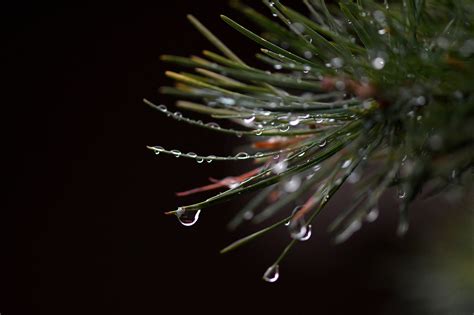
(242, 155)
(176, 153)
(199, 160)
(226, 101)
(337, 62)
(294, 122)
(346, 163)
(272, 274)
(298, 27)
(192, 155)
(248, 215)
(378, 63)
(187, 217)
(382, 31)
(316, 168)
(379, 16)
(258, 154)
(420, 100)
(353, 178)
(293, 184)
(178, 115)
(372, 215)
(353, 227)
(322, 143)
(258, 132)
(233, 185)
(306, 69)
(278, 66)
(284, 128)
(401, 193)
(280, 167)
(307, 54)
(163, 108)
(213, 125)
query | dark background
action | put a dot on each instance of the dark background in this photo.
(84, 230)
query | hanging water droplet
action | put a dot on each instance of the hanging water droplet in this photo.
(200, 160)
(372, 215)
(239, 134)
(158, 149)
(210, 158)
(187, 217)
(272, 274)
(346, 163)
(242, 155)
(382, 31)
(322, 143)
(176, 153)
(347, 233)
(293, 184)
(307, 54)
(226, 101)
(278, 66)
(306, 69)
(258, 132)
(378, 63)
(258, 154)
(299, 230)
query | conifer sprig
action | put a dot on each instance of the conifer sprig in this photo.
(375, 94)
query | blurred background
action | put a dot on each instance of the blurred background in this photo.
(83, 225)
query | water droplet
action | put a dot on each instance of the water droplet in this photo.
(200, 160)
(316, 168)
(307, 54)
(272, 274)
(258, 132)
(284, 128)
(306, 69)
(402, 228)
(278, 66)
(299, 230)
(337, 62)
(382, 31)
(249, 120)
(294, 122)
(213, 125)
(176, 153)
(378, 63)
(192, 154)
(158, 150)
(226, 101)
(322, 143)
(293, 184)
(280, 167)
(163, 108)
(258, 154)
(353, 178)
(187, 217)
(372, 215)
(210, 158)
(248, 215)
(242, 155)
(347, 233)
(379, 16)
(308, 38)
(346, 163)
(178, 115)
(401, 193)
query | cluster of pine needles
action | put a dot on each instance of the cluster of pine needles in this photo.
(377, 94)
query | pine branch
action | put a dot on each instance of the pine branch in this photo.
(348, 89)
